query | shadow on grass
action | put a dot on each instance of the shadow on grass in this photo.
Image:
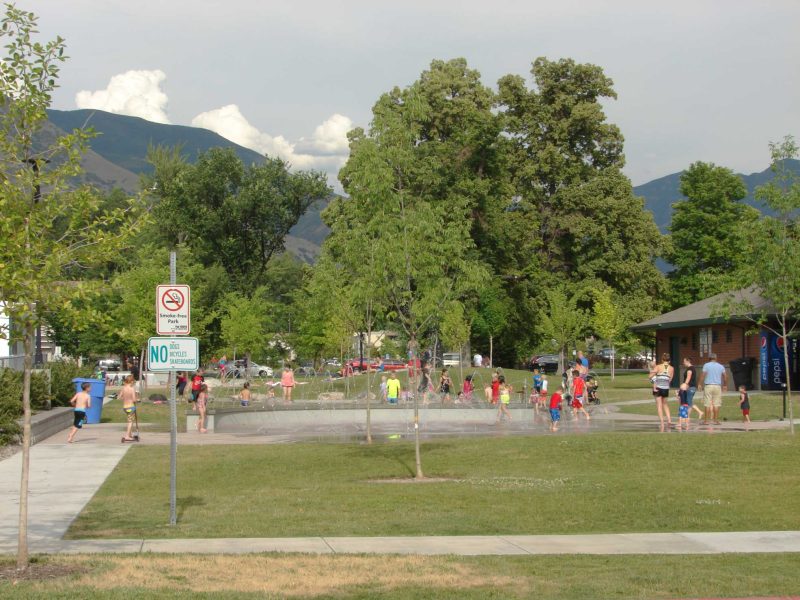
(401, 454)
(187, 502)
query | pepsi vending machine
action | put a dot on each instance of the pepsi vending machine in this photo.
(772, 367)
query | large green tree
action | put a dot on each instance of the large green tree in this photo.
(582, 220)
(708, 242)
(229, 213)
(49, 227)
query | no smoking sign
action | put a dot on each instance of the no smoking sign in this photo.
(172, 310)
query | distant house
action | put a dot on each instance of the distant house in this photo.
(694, 331)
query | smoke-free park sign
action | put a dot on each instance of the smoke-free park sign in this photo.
(172, 310)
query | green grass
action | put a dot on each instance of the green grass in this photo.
(412, 577)
(763, 407)
(509, 485)
(153, 417)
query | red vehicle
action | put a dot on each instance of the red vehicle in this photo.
(392, 364)
(357, 365)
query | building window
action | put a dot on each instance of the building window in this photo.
(694, 341)
(705, 341)
(728, 336)
(714, 336)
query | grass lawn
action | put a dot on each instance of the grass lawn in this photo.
(763, 407)
(152, 417)
(412, 577)
(507, 485)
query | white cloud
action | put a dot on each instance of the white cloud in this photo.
(133, 93)
(326, 150)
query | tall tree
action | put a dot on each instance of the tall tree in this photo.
(562, 320)
(708, 242)
(49, 228)
(565, 164)
(772, 261)
(608, 320)
(414, 180)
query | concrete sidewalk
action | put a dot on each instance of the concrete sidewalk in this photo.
(630, 543)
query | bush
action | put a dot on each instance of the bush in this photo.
(57, 392)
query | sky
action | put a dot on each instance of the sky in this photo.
(711, 80)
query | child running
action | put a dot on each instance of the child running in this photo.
(744, 404)
(128, 396)
(82, 401)
(555, 409)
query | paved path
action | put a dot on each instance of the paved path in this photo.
(64, 477)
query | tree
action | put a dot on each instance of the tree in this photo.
(608, 320)
(49, 227)
(772, 262)
(565, 161)
(235, 215)
(708, 241)
(242, 324)
(414, 180)
(562, 320)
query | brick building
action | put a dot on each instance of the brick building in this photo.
(694, 331)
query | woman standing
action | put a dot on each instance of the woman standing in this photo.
(690, 385)
(128, 396)
(664, 373)
(287, 382)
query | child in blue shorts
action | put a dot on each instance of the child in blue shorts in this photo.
(683, 409)
(555, 409)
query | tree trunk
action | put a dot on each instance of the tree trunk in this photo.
(491, 350)
(369, 414)
(788, 377)
(613, 360)
(142, 374)
(22, 543)
(414, 389)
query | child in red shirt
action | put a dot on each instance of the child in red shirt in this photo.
(579, 394)
(555, 409)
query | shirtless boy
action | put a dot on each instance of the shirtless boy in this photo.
(81, 401)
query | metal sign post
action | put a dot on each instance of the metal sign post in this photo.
(173, 419)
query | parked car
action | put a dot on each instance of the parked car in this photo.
(546, 363)
(357, 364)
(394, 364)
(253, 370)
(109, 364)
(451, 359)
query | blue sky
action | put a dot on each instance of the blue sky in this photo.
(701, 80)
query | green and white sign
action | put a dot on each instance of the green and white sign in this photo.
(166, 354)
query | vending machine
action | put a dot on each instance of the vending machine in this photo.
(772, 365)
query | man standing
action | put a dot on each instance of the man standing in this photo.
(713, 380)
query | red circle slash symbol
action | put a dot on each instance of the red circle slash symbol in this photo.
(172, 299)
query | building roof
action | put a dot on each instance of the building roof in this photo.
(705, 311)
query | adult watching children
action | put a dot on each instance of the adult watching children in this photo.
(712, 381)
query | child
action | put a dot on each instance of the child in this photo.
(182, 380)
(129, 399)
(201, 402)
(466, 390)
(244, 395)
(504, 399)
(543, 392)
(384, 397)
(579, 395)
(537, 387)
(744, 404)
(82, 401)
(683, 410)
(555, 409)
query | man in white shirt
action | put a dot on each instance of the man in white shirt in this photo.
(477, 360)
(713, 380)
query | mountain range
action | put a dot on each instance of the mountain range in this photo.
(118, 157)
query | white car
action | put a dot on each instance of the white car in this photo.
(253, 370)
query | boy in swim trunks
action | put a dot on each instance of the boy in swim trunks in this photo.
(579, 394)
(683, 409)
(82, 401)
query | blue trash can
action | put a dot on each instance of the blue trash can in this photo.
(97, 393)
